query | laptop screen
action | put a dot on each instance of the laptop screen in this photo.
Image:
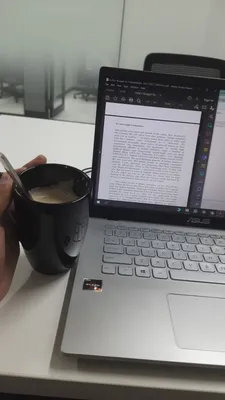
(162, 147)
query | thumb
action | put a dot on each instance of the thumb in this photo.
(2, 250)
(2, 263)
(6, 270)
(5, 192)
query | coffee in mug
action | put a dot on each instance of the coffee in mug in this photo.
(54, 194)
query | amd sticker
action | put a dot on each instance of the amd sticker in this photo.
(92, 284)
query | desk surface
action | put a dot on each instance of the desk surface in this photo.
(32, 316)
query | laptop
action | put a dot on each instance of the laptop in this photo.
(150, 282)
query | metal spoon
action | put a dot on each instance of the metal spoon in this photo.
(14, 176)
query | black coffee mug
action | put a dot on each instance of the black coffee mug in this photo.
(52, 234)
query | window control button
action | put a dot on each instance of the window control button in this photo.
(143, 272)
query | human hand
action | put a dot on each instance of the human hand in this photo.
(9, 245)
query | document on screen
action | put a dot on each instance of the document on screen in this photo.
(148, 154)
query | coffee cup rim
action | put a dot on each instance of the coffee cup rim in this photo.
(54, 204)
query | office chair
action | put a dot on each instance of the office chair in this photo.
(11, 80)
(183, 64)
(87, 84)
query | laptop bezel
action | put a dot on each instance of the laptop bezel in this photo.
(133, 214)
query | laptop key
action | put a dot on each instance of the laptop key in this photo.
(175, 264)
(148, 252)
(178, 238)
(123, 270)
(180, 255)
(195, 256)
(173, 246)
(191, 265)
(149, 235)
(117, 259)
(197, 276)
(206, 240)
(220, 242)
(159, 273)
(164, 253)
(158, 262)
(141, 261)
(109, 269)
(157, 244)
(120, 233)
(108, 232)
(113, 249)
(207, 267)
(133, 251)
(128, 242)
(211, 258)
(111, 240)
(192, 239)
(164, 236)
(188, 247)
(135, 234)
(220, 268)
(203, 248)
(218, 250)
(142, 243)
(222, 259)
(142, 272)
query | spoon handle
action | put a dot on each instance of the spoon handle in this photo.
(13, 174)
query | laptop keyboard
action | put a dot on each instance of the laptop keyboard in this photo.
(163, 254)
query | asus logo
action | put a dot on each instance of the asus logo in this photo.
(203, 221)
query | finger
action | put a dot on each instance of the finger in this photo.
(3, 289)
(36, 161)
(6, 182)
(2, 250)
(5, 192)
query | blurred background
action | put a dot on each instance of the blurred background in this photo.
(51, 50)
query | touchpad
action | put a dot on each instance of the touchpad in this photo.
(198, 322)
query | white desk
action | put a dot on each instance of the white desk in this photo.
(32, 315)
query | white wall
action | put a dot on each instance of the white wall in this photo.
(86, 33)
(180, 26)
(215, 34)
(82, 31)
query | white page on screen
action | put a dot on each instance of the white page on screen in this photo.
(148, 160)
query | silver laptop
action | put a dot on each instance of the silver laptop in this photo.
(150, 283)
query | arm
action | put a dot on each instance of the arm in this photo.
(9, 245)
